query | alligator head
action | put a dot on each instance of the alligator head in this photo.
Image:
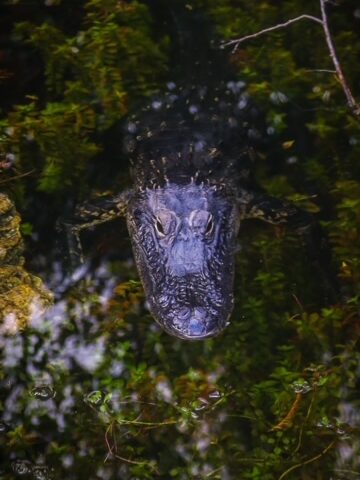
(183, 238)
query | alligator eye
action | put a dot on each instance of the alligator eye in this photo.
(209, 227)
(159, 228)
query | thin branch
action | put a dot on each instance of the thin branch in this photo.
(310, 460)
(354, 107)
(319, 70)
(237, 41)
(304, 423)
(17, 176)
(146, 424)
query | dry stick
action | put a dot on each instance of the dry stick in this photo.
(270, 29)
(18, 176)
(354, 107)
(310, 460)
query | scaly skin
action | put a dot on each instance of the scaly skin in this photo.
(183, 237)
(190, 156)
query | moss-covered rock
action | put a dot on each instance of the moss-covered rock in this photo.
(22, 295)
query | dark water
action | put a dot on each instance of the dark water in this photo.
(94, 389)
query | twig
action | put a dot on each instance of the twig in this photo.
(146, 424)
(319, 70)
(237, 41)
(132, 462)
(18, 176)
(299, 304)
(304, 422)
(313, 459)
(112, 450)
(354, 107)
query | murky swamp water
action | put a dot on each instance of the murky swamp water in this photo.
(92, 388)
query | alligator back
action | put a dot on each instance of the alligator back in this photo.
(197, 132)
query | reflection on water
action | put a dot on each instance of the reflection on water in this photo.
(94, 389)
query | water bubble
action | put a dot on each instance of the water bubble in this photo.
(193, 109)
(201, 407)
(340, 431)
(301, 386)
(214, 395)
(43, 392)
(291, 160)
(270, 130)
(94, 398)
(171, 85)
(357, 13)
(21, 467)
(202, 403)
(325, 423)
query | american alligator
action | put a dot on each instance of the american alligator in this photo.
(192, 189)
(190, 150)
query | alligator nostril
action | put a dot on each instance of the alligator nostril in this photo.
(196, 327)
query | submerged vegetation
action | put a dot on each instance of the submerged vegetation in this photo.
(93, 389)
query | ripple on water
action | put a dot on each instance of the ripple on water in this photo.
(43, 392)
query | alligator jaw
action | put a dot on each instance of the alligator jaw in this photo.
(196, 328)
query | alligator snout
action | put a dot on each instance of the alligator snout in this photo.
(193, 323)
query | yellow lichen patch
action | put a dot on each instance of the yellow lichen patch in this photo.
(5, 204)
(22, 295)
(20, 305)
